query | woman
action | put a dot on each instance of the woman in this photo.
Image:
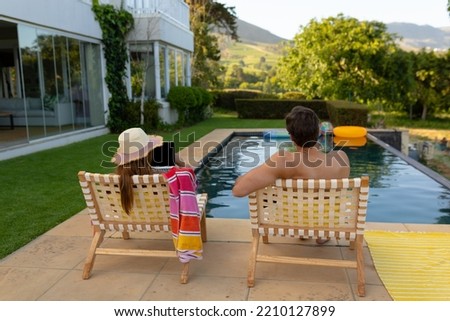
(133, 157)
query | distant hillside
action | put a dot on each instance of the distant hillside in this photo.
(416, 37)
(257, 45)
(413, 36)
(251, 33)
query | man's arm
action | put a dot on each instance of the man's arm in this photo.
(257, 178)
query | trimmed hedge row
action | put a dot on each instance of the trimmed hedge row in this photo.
(339, 113)
(277, 108)
(343, 113)
(226, 98)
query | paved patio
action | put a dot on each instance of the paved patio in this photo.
(50, 267)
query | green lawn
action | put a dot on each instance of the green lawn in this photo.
(41, 190)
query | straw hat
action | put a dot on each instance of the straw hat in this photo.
(134, 144)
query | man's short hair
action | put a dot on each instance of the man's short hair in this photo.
(302, 124)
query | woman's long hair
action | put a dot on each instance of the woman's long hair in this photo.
(138, 167)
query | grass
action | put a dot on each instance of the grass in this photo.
(400, 120)
(41, 190)
(250, 54)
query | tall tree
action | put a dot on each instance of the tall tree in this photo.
(206, 16)
(432, 75)
(339, 58)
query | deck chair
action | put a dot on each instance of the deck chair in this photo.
(320, 208)
(151, 214)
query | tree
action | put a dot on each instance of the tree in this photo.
(204, 16)
(339, 58)
(432, 83)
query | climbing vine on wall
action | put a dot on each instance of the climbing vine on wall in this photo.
(115, 25)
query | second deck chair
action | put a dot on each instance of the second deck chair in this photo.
(334, 208)
(151, 214)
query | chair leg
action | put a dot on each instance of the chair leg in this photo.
(185, 273)
(126, 235)
(352, 245)
(265, 239)
(360, 265)
(203, 227)
(252, 260)
(89, 264)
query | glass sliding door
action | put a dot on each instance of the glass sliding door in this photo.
(162, 71)
(180, 69)
(30, 53)
(143, 71)
(92, 84)
(61, 83)
(172, 68)
(79, 102)
(47, 71)
(64, 106)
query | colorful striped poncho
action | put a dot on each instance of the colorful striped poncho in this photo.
(184, 213)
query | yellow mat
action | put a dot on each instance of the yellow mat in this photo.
(413, 266)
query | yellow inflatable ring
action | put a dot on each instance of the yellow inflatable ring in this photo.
(350, 131)
(349, 141)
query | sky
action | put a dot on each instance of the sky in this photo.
(284, 17)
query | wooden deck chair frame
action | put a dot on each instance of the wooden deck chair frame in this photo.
(150, 213)
(334, 208)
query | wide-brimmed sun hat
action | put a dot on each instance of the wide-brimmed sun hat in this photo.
(134, 144)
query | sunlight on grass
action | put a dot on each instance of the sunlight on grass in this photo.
(401, 120)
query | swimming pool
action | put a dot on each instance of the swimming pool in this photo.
(399, 192)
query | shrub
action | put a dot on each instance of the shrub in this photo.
(207, 97)
(277, 108)
(226, 99)
(339, 113)
(191, 103)
(347, 113)
(181, 99)
(195, 113)
(296, 95)
(151, 117)
(152, 120)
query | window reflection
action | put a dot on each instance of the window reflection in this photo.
(143, 82)
(53, 84)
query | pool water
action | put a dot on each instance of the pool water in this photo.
(398, 191)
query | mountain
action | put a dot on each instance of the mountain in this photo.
(254, 34)
(413, 37)
(257, 45)
(420, 36)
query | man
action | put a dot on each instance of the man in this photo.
(306, 161)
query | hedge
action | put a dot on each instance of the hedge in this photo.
(277, 108)
(344, 113)
(226, 98)
(339, 112)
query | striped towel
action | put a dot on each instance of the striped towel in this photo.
(414, 266)
(184, 214)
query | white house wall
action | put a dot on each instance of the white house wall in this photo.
(75, 19)
(63, 15)
(159, 28)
